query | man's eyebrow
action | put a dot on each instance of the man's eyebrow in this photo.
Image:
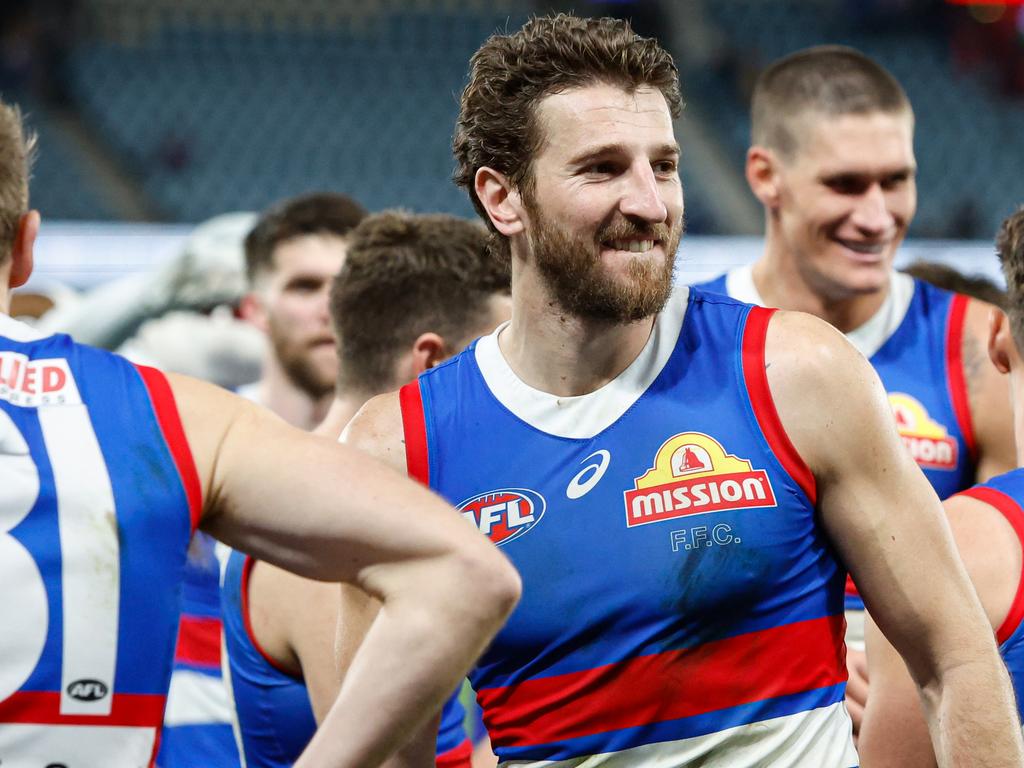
(604, 150)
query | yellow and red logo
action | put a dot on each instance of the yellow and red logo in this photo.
(692, 474)
(927, 440)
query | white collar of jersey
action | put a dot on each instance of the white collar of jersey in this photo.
(583, 416)
(17, 330)
(869, 337)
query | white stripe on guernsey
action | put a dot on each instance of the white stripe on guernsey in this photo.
(229, 691)
(197, 699)
(33, 746)
(17, 330)
(583, 416)
(90, 556)
(869, 337)
(820, 738)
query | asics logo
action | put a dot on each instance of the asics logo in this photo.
(590, 475)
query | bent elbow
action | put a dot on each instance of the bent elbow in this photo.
(489, 582)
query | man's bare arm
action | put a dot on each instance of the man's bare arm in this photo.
(329, 512)
(895, 733)
(988, 394)
(887, 524)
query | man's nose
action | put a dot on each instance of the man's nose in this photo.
(642, 198)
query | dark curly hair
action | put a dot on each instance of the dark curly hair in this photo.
(511, 73)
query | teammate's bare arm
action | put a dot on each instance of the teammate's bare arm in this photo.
(988, 393)
(894, 731)
(327, 512)
(887, 524)
(377, 430)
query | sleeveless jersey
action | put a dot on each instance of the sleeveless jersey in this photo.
(274, 717)
(921, 367)
(1006, 494)
(98, 500)
(197, 722)
(679, 599)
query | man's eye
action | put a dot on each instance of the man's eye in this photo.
(665, 166)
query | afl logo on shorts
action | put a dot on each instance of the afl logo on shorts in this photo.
(692, 474)
(87, 690)
(505, 514)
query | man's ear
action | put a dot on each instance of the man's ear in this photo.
(502, 201)
(762, 172)
(428, 350)
(251, 309)
(22, 252)
(1002, 349)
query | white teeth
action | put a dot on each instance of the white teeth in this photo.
(633, 246)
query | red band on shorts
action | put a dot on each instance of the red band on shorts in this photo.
(417, 460)
(756, 378)
(1011, 510)
(167, 416)
(955, 371)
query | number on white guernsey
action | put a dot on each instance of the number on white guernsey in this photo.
(23, 607)
(91, 573)
(90, 561)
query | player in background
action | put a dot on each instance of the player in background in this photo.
(107, 470)
(988, 525)
(291, 255)
(669, 471)
(832, 161)
(414, 290)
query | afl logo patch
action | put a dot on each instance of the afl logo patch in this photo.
(504, 514)
(87, 690)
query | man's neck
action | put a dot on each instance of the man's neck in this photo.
(343, 407)
(561, 354)
(294, 405)
(780, 284)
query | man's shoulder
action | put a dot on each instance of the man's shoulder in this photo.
(378, 429)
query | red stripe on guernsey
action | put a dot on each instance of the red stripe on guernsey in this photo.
(458, 757)
(955, 370)
(199, 641)
(43, 708)
(417, 461)
(756, 666)
(174, 435)
(756, 378)
(246, 571)
(1015, 516)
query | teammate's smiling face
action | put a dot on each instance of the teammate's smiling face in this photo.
(606, 205)
(846, 199)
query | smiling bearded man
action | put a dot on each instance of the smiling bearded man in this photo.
(832, 161)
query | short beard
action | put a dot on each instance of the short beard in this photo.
(300, 368)
(583, 288)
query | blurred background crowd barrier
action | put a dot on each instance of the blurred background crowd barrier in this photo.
(173, 111)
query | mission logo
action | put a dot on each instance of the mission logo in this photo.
(927, 440)
(692, 474)
(505, 514)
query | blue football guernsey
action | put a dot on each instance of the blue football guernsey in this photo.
(679, 599)
(98, 500)
(274, 717)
